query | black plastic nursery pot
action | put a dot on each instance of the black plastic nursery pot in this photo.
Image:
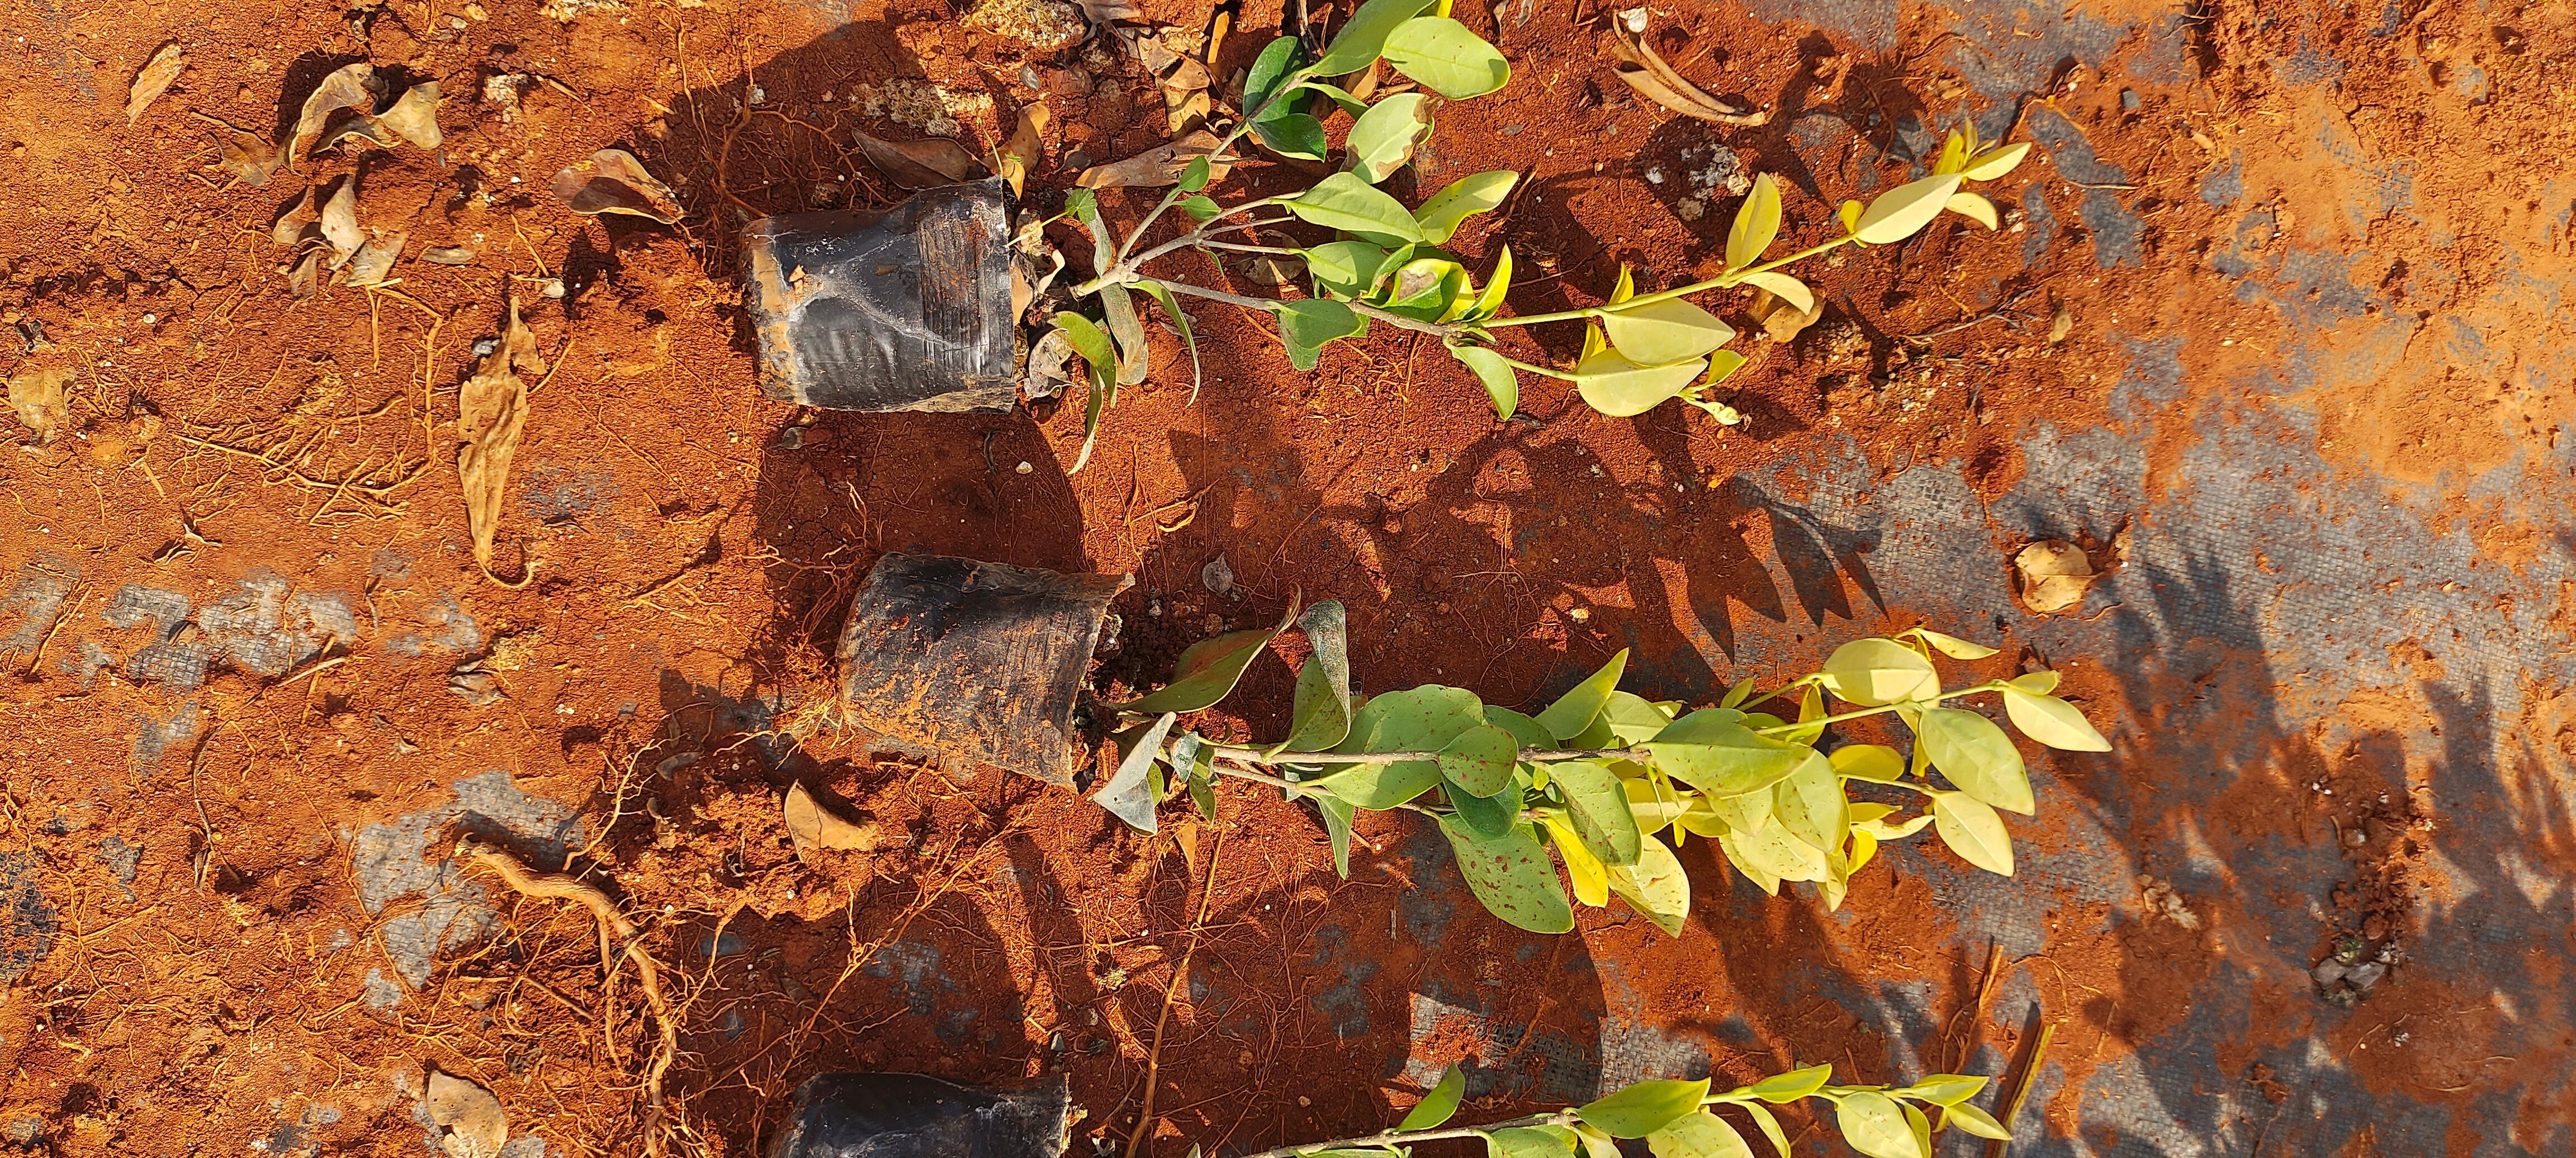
(906, 309)
(841, 1115)
(977, 661)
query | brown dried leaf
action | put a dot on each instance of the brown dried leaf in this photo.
(305, 276)
(1155, 167)
(376, 259)
(291, 226)
(37, 397)
(1020, 155)
(491, 409)
(340, 222)
(1656, 81)
(1780, 321)
(1185, 98)
(2054, 575)
(414, 118)
(351, 87)
(613, 181)
(472, 1118)
(814, 827)
(919, 164)
(249, 157)
(154, 80)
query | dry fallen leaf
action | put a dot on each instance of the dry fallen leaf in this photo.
(354, 86)
(811, 827)
(376, 259)
(613, 181)
(1781, 322)
(154, 80)
(414, 117)
(1020, 155)
(1155, 167)
(491, 408)
(919, 164)
(1656, 81)
(291, 227)
(472, 1118)
(2054, 575)
(340, 222)
(37, 397)
(248, 156)
(1047, 377)
(305, 276)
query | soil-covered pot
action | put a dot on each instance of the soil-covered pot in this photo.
(908, 309)
(978, 661)
(912, 1116)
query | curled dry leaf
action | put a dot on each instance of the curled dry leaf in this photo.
(154, 80)
(305, 275)
(414, 117)
(1656, 81)
(37, 397)
(1780, 321)
(375, 259)
(922, 164)
(340, 222)
(814, 827)
(1019, 156)
(1156, 167)
(613, 181)
(472, 1120)
(352, 87)
(295, 226)
(2054, 575)
(491, 409)
(249, 157)
(1046, 377)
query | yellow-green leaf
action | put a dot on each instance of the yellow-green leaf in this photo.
(1501, 382)
(1876, 671)
(1446, 58)
(1615, 385)
(1580, 705)
(1599, 807)
(1757, 223)
(1849, 214)
(1437, 1106)
(1788, 289)
(2037, 683)
(1591, 879)
(1422, 719)
(1345, 202)
(1975, 1121)
(1951, 645)
(1363, 37)
(1996, 162)
(1496, 285)
(1973, 830)
(1665, 332)
(1877, 763)
(1655, 886)
(1902, 212)
(1698, 1135)
(1974, 208)
(1954, 153)
(1948, 1089)
(1644, 1107)
(1475, 193)
(1782, 1089)
(1875, 1125)
(2053, 722)
(1978, 757)
(1511, 875)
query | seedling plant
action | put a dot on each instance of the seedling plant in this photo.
(1611, 781)
(1387, 265)
(1679, 1119)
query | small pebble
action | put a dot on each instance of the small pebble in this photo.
(1023, 468)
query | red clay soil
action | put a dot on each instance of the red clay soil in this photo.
(692, 565)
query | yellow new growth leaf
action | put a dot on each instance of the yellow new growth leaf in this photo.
(1757, 222)
(1974, 208)
(1902, 212)
(1996, 162)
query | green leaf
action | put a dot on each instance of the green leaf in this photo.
(1344, 202)
(1340, 96)
(1947, 1089)
(1951, 645)
(1874, 1124)
(1742, 691)
(1996, 162)
(1528, 1142)
(1423, 287)
(1297, 135)
(1437, 1106)
(1480, 760)
(1300, 357)
(1469, 195)
(1501, 382)
(1087, 340)
(1786, 288)
(1493, 816)
(1598, 807)
(1872, 672)
(1770, 1124)
(1422, 719)
(1194, 176)
(1757, 223)
(2052, 721)
(1655, 886)
(1903, 211)
(1978, 757)
(1080, 203)
(1699, 1134)
(1973, 830)
(1876, 763)
(1268, 73)
(1209, 669)
(1162, 296)
(1363, 36)
(1127, 796)
(2037, 683)
(1346, 269)
(1512, 875)
(1664, 332)
(1644, 1107)
(1201, 209)
(1595, 1143)
(1523, 729)
(1629, 718)
(1782, 1089)
(1446, 58)
(1810, 803)
(1311, 322)
(1321, 715)
(1381, 141)
(1575, 710)
(1975, 1121)
(1496, 285)
(1711, 750)
(1776, 852)
(1337, 825)
(1615, 385)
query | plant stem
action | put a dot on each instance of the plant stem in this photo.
(1239, 772)
(1527, 755)
(1238, 247)
(1838, 717)
(1400, 1138)
(1287, 85)
(1266, 305)
(1721, 281)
